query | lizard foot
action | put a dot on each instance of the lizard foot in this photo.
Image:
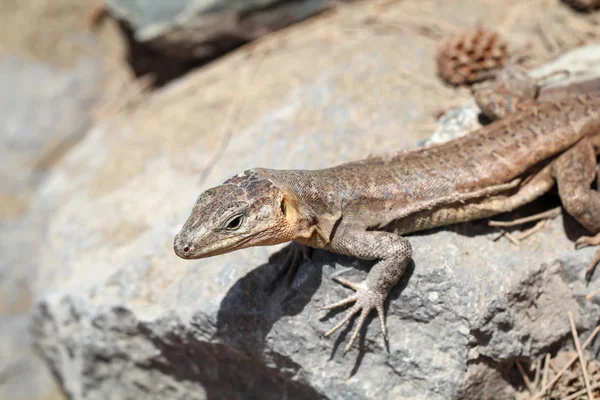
(364, 300)
(585, 241)
(295, 254)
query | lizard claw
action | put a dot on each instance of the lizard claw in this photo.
(585, 241)
(364, 300)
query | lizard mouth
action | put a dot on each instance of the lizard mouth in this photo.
(191, 249)
(187, 250)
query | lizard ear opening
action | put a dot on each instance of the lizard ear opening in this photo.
(284, 206)
(288, 208)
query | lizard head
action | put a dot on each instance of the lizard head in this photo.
(246, 210)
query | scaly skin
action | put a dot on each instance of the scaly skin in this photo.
(361, 208)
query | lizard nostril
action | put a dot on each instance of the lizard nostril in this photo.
(186, 249)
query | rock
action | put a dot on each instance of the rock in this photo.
(201, 29)
(46, 113)
(448, 316)
(49, 79)
(126, 318)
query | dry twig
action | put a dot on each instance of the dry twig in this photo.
(513, 239)
(526, 379)
(553, 213)
(538, 367)
(499, 236)
(567, 365)
(586, 378)
(538, 227)
(545, 374)
(591, 295)
(581, 392)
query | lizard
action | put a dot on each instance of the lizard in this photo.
(365, 208)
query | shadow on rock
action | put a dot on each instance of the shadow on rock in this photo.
(255, 303)
(144, 59)
(223, 372)
(249, 310)
(372, 321)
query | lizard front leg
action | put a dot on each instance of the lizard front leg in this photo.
(575, 170)
(392, 253)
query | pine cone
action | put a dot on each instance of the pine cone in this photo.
(583, 5)
(471, 56)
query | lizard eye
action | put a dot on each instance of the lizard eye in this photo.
(234, 223)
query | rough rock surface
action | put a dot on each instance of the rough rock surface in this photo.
(468, 304)
(204, 28)
(47, 111)
(122, 317)
(44, 110)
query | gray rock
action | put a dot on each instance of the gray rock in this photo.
(45, 111)
(200, 29)
(466, 302)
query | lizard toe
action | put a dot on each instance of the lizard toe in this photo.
(347, 300)
(347, 283)
(381, 315)
(361, 322)
(347, 318)
(365, 301)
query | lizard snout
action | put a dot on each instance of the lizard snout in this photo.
(183, 248)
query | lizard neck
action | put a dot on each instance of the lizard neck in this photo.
(310, 209)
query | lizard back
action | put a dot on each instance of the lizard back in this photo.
(493, 155)
(378, 191)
